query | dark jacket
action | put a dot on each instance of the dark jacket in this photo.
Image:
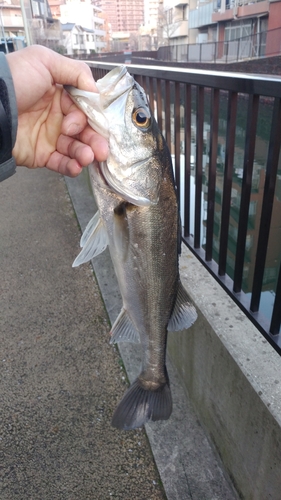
(8, 120)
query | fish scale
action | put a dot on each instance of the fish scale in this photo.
(139, 221)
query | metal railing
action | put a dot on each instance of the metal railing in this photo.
(224, 134)
(257, 45)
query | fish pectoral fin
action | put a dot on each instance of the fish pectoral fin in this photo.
(90, 228)
(123, 329)
(139, 405)
(95, 243)
(184, 313)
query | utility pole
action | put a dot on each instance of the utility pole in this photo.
(3, 31)
(25, 23)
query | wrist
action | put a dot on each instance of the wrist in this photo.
(8, 120)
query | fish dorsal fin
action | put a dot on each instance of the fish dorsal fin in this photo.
(123, 329)
(94, 240)
(184, 313)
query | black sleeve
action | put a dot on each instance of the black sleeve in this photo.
(8, 120)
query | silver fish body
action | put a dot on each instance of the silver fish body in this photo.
(140, 224)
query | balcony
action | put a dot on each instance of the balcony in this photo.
(12, 21)
(179, 29)
(239, 10)
(201, 16)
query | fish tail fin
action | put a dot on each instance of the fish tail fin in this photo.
(139, 405)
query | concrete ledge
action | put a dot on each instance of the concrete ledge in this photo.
(233, 378)
(230, 375)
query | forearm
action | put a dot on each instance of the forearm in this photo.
(8, 120)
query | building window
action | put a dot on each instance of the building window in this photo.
(238, 29)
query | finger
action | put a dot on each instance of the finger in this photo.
(69, 71)
(64, 165)
(74, 122)
(75, 149)
(98, 144)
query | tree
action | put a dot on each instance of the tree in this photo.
(166, 25)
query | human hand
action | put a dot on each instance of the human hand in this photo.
(52, 131)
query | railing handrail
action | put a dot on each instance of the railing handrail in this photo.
(228, 81)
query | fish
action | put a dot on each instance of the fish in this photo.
(138, 219)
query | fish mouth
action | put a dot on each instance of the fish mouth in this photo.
(130, 193)
(95, 104)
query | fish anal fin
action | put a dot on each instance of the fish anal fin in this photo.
(95, 244)
(184, 313)
(123, 329)
(140, 405)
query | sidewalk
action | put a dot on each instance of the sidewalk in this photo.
(60, 380)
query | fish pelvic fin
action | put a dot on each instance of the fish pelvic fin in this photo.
(123, 329)
(184, 313)
(139, 405)
(94, 241)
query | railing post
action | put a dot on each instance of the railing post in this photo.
(198, 172)
(267, 205)
(249, 155)
(187, 151)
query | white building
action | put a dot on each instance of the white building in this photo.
(175, 21)
(77, 39)
(149, 31)
(85, 15)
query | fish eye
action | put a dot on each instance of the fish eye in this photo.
(141, 118)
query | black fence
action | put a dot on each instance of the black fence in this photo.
(224, 134)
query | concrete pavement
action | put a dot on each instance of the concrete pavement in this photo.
(60, 380)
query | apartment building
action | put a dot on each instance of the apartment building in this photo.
(149, 32)
(40, 25)
(123, 15)
(233, 20)
(11, 18)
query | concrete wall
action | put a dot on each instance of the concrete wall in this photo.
(233, 377)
